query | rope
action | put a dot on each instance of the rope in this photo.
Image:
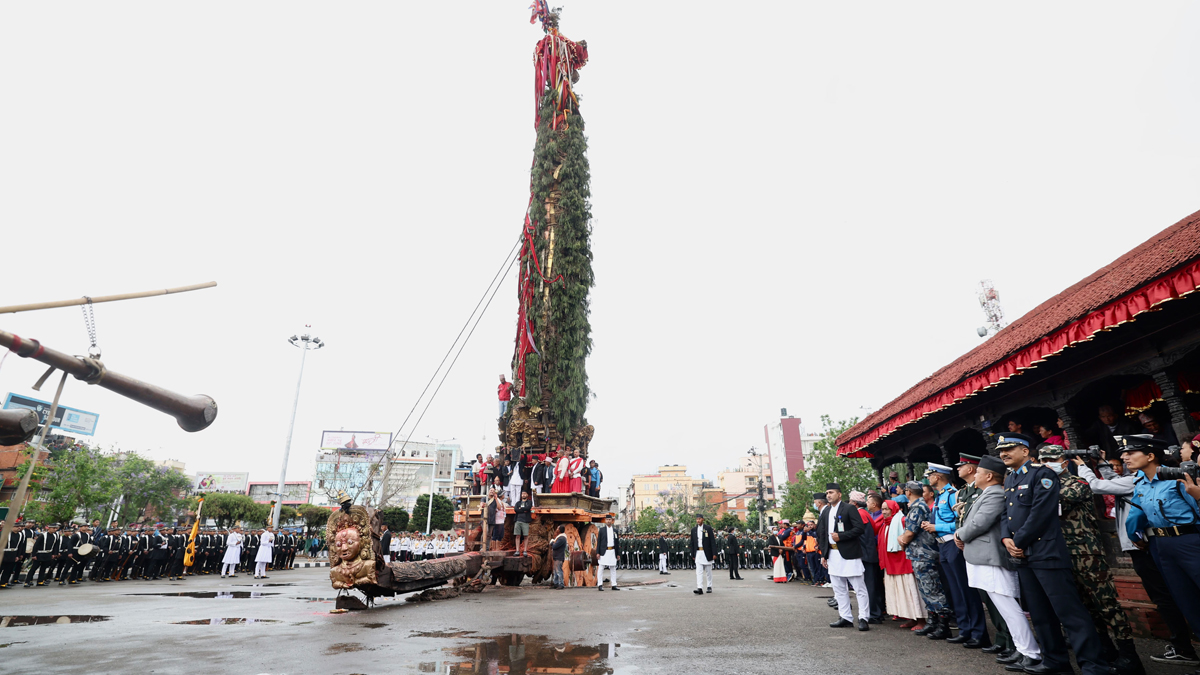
(504, 266)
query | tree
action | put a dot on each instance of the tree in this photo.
(648, 521)
(728, 521)
(680, 509)
(149, 488)
(287, 514)
(76, 478)
(443, 513)
(396, 518)
(258, 515)
(752, 520)
(825, 466)
(314, 516)
(226, 508)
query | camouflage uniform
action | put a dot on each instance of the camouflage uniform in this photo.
(922, 551)
(1088, 564)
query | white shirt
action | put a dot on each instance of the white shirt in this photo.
(701, 559)
(609, 557)
(405, 544)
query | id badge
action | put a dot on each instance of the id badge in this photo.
(841, 527)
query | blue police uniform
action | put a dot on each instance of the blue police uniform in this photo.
(1031, 521)
(968, 608)
(1164, 514)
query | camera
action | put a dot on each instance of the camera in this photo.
(1185, 468)
(1092, 452)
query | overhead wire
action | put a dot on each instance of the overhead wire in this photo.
(509, 260)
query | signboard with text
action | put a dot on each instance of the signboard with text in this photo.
(294, 492)
(67, 419)
(221, 482)
(356, 440)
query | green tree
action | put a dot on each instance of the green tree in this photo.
(226, 508)
(287, 514)
(648, 521)
(679, 510)
(396, 518)
(314, 516)
(149, 489)
(258, 515)
(728, 521)
(443, 513)
(76, 478)
(825, 466)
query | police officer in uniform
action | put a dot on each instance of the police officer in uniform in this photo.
(968, 608)
(14, 555)
(1033, 538)
(1165, 518)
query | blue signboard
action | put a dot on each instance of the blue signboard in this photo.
(67, 419)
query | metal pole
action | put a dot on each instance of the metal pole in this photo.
(762, 499)
(287, 449)
(432, 487)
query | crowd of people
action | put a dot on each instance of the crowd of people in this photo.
(39, 554)
(510, 470)
(1019, 542)
(412, 546)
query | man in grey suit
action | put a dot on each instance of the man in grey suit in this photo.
(988, 567)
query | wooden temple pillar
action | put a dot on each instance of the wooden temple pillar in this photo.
(1181, 419)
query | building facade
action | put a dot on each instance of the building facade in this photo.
(658, 489)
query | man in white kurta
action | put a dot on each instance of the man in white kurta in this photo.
(703, 564)
(843, 572)
(266, 551)
(233, 553)
(608, 556)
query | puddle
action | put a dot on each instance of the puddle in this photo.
(222, 622)
(523, 654)
(452, 633)
(259, 585)
(224, 595)
(308, 599)
(15, 621)
(9, 644)
(373, 625)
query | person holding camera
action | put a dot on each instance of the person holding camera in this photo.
(1165, 519)
(1032, 535)
(1179, 648)
(1089, 566)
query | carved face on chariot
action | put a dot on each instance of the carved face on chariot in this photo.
(348, 543)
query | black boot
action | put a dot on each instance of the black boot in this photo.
(931, 625)
(1110, 650)
(942, 632)
(1127, 662)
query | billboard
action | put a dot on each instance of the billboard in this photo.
(294, 492)
(356, 440)
(221, 482)
(69, 420)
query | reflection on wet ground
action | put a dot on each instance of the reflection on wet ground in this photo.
(222, 622)
(259, 585)
(373, 625)
(525, 654)
(15, 621)
(9, 644)
(441, 633)
(210, 594)
(311, 599)
(344, 647)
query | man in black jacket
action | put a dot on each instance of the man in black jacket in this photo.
(45, 555)
(14, 555)
(732, 549)
(703, 545)
(608, 548)
(839, 530)
(558, 551)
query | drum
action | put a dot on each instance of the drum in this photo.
(86, 550)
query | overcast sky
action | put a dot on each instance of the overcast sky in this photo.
(793, 204)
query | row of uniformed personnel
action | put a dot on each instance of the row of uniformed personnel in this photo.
(644, 551)
(71, 554)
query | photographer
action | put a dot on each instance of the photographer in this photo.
(1089, 567)
(1166, 519)
(1180, 650)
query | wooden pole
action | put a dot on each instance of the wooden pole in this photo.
(13, 309)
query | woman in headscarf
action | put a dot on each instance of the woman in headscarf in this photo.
(900, 586)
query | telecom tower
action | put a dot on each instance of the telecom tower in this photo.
(989, 300)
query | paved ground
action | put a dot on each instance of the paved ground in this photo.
(752, 626)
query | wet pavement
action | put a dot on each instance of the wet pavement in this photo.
(751, 626)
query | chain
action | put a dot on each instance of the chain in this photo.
(89, 321)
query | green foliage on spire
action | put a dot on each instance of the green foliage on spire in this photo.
(567, 341)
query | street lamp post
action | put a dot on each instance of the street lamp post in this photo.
(306, 343)
(433, 481)
(762, 498)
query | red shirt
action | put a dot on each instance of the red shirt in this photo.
(505, 391)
